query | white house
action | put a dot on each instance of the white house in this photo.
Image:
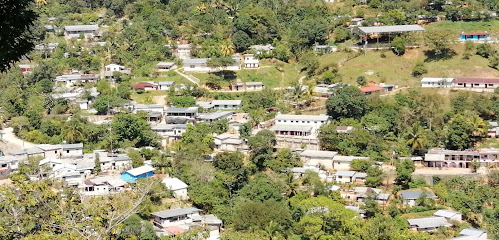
(214, 116)
(169, 132)
(343, 162)
(82, 104)
(228, 142)
(314, 121)
(251, 62)
(261, 49)
(174, 217)
(227, 104)
(103, 185)
(449, 215)
(316, 158)
(428, 224)
(74, 31)
(254, 86)
(181, 51)
(149, 108)
(114, 161)
(27, 68)
(165, 85)
(178, 187)
(429, 82)
(112, 68)
(472, 234)
(349, 176)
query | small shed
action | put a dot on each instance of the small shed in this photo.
(135, 174)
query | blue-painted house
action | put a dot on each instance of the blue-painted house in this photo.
(135, 174)
(477, 36)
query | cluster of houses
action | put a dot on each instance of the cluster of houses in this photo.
(471, 84)
(174, 222)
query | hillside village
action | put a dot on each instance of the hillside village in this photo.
(239, 119)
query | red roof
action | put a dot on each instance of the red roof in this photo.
(175, 230)
(143, 85)
(372, 89)
(475, 33)
(476, 80)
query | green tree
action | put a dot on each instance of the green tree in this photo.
(398, 46)
(361, 80)
(361, 164)
(137, 159)
(464, 131)
(346, 102)
(485, 50)
(16, 38)
(283, 159)
(419, 69)
(404, 171)
(241, 41)
(371, 207)
(182, 101)
(262, 146)
(469, 47)
(97, 168)
(133, 129)
(439, 42)
(309, 62)
(341, 34)
(374, 176)
(417, 137)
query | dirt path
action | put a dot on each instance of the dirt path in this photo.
(11, 142)
(159, 100)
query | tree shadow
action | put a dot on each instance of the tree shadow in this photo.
(433, 56)
(227, 76)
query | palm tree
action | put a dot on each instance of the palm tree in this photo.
(201, 8)
(479, 126)
(416, 137)
(227, 48)
(41, 2)
(73, 131)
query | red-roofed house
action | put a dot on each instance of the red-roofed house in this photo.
(478, 83)
(146, 86)
(372, 90)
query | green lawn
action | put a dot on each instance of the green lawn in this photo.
(491, 26)
(267, 73)
(393, 69)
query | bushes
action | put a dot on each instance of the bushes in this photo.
(419, 69)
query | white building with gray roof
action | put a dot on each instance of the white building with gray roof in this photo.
(75, 31)
(428, 224)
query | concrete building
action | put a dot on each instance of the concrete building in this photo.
(437, 157)
(178, 187)
(428, 224)
(75, 31)
(409, 197)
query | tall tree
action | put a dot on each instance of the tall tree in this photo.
(346, 102)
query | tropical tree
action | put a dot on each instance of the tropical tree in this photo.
(227, 48)
(417, 137)
(73, 132)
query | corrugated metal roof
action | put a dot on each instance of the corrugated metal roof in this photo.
(392, 29)
(408, 195)
(472, 232)
(73, 28)
(140, 170)
(176, 212)
(429, 222)
(315, 153)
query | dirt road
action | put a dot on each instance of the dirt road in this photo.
(11, 142)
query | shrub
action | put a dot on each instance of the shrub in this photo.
(419, 69)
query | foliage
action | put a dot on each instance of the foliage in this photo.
(346, 102)
(398, 46)
(419, 69)
(404, 171)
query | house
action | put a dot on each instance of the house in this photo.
(228, 142)
(201, 65)
(313, 121)
(449, 215)
(343, 162)
(344, 129)
(429, 82)
(165, 66)
(409, 197)
(103, 185)
(82, 104)
(324, 90)
(437, 157)
(361, 212)
(214, 116)
(251, 62)
(476, 84)
(428, 224)
(170, 132)
(356, 22)
(493, 131)
(360, 194)
(318, 158)
(76, 79)
(111, 69)
(28, 152)
(72, 150)
(135, 174)
(323, 49)
(190, 112)
(75, 31)
(174, 217)
(246, 86)
(349, 176)
(157, 108)
(165, 85)
(372, 90)
(178, 187)
(146, 86)
(475, 36)
(27, 68)
(262, 49)
(299, 172)
(181, 51)
(114, 161)
(226, 104)
(471, 234)
(47, 47)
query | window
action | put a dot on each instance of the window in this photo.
(278, 120)
(491, 85)
(303, 121)
(315, 121)
(67, 151)
(476, 84)
(192, 66)
(308, 121)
